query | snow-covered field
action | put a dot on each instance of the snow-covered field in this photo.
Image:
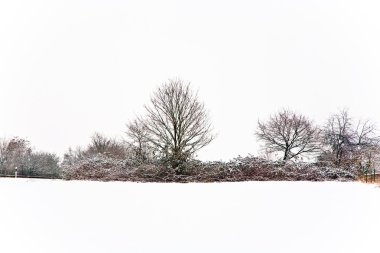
(59, 216)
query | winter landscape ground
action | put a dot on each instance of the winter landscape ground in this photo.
(83, 216)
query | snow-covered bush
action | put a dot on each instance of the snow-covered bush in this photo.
(97, 167)
(42, 164)
(105, 168)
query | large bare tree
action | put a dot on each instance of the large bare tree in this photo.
(177, 123)
(290, 133)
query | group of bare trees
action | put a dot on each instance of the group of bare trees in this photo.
(174, 127)
(349, 141)
(340, 141)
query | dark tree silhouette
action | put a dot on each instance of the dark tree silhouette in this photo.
(290, 133)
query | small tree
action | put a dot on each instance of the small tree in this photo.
(138, 141)
(290, 133)
(176, 122)
(72, 156)
(101, 144)
(338, 135)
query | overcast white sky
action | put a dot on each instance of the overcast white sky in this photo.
(72, 67)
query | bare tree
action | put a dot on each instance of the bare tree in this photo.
(367, 145)
(100, 147)
(365, 134)
(101, 144)
(138, 141)
(73, 156)
(346, 140)
(290, 133)
(338, 134)
(177, 123)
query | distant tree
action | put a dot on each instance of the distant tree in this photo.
(72, 156)
(3, 155)
(177, 123)
(347, 141)
(138, 141)
(17, 153)
(338, 135)
(101, 144)
(289, 133)
(42, 164)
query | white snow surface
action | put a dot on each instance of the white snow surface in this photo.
(82, 216)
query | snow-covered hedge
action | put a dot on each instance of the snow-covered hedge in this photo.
(240, 169)
(98, 167)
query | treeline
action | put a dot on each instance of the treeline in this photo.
(17, 154)
(160, 146)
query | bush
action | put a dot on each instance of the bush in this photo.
(240, 169)
(97, 167)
